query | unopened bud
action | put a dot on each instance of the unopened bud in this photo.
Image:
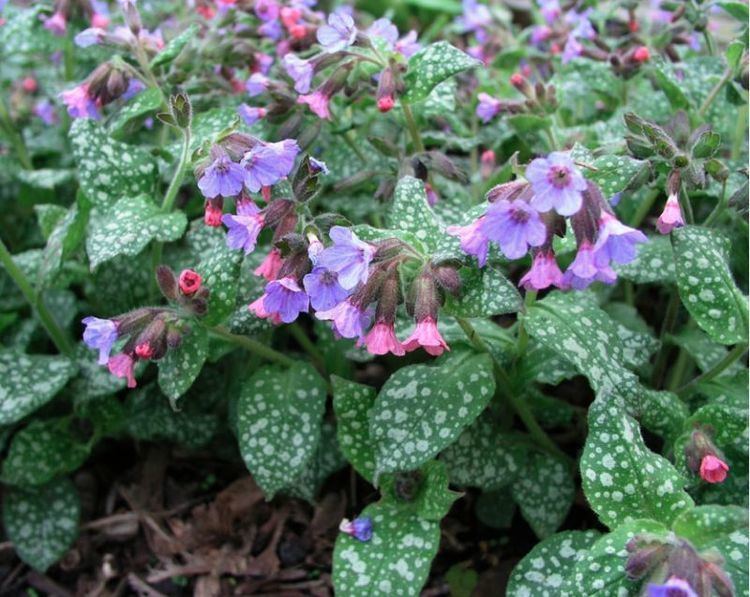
(181, 109)
(167, 282)
(448, 278)
(190, 281)
(487, 161)
(213, 212)
(132, 16)
(522, 84)
(641, 54)
(387, 89)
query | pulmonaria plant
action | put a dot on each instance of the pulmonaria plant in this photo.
(389, 262)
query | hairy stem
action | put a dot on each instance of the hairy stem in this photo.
(53, 329)
(644, 207)
(716, 370)
(714, 92)
(412, 126)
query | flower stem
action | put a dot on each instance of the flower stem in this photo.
(719, 209)
(53, 329)
(523, 336)
(15, 137)
(714, 92)
(716, 370)
(253, 346)
(309, 347)
(644, 207)
(412, 126)
(519, 406)
(670, 317)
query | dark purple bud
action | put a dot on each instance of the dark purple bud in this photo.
(507, 191)
(644, 558)
(448, 278)
(387, 249)
(151, 343)
(719, 580)
(275, 211)
(167, 282)
(135, 320)
(426, 299)
(174, 336)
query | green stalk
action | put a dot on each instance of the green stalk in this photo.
(54, 331)
(523, 336)
(15, 137)
(716, 370)
(644, 208)
(519, 406)
(719, 209)
(253, 346)
(412, 126)
(679, 370)
(687, 207)
(309, 347)
(670, 318)
(714, 92)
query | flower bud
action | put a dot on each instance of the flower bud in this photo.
(167, 282)
(387, 89)
(448, 278)
(213, 212)
(507, 191)
(181, 109)
(487, 161)
(522, 84)
(151, 343)
(190, 282)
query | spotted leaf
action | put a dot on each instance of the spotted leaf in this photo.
(42, 522)
(278, 423)
(411, 213)
(352, 403)
(396, 561)
(433, 65)
(422, 409)
(623, 480)
(653, 263)
(181, 365)
(29, 381)
(484, 293)
(174, 47)
(107, 169)
(144, 103)
(706, 286)
(220, 270)
(543, 570)
(128, 228)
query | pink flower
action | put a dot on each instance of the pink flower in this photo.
(544, 272)
(269, 268)
(257, 308)
(428, 337)
(671, 217)
(56, 24)
(472, 240)
(382, 339)
(713, 469)
(318, 103)
(121, 365)
(190, 281)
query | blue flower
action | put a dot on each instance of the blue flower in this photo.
(285, 298)
(349, 257)
(322, 285)
(100, 334)
(557, 184)
(339, 33)
(223, 177)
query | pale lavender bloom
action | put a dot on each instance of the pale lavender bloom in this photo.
(250, 114)
(557, 184)
(582, 27)
(257, 84)
(515, 226)
(272, 30)
(656, 13)
(79, 103)
(349, 257)
(474, 19)
(584, 270)
(384, 29)
(245, 227)
(264, 62)
(573, 49)
(339, 33)
(46, 111)
(359, 528)
(318, 166)
(267, 10)
(674, 587)
(540, 34)
(348, 320)
(616, 241)
(544, 272)
(550, 10)
(267, 163)
(408, 45)
(323, 288)
(223, 177)
(301, 72)
(57, 24)
(488, 107)
(135, 86)
(90, 37)
(473, 242)
(100, 334)
(285, 298)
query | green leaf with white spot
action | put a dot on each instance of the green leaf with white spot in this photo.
(411, 213)
(278, 423)
(623, 480)
(583, 334)
(705, 524)
(544, 492)
(327, 460)
(145, 102)
(66, 237)
(600, 572)
(543, 570)
(181, 365)
(220, 270)
(396, 561)
(46, 178)
(29, 381)
(734, 549)
(42, 451)
(128, 228)
(662, 74)
(23, 32)
(705, 352)
(435, 498)
(174, 47)
(107, 169)
(613, 173)
(422, 409)
(706, 286)
(206, 128)
(483, 456)
(48, 215)
(662, 413)
(93, 380)
(654, 262)
(431, 66)
(42, 522)
(484, 292)
(352, 403)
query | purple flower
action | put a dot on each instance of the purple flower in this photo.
(384, 29)
(359, 528)
(100, 334)
(79, 103)
(318, 166)
(285, 298)
(540, 34)
(544, 273)
(250, 114)
(271, 29)
(267, 163)
(90, 37)
(475, 18)
(245, 227)
(267, 10)
(257, 84)
(515, 226)
(616, 241)
(408, 45)
(339, 33)
(349, 320)
(674, 587)
(56, 24)
(318, 103)
(573, 49)
(584, 270)
(263, 62)
(349, 257)
(223, 177)
(135, 86)
(488, 107)
(550, 10)
(473, 242)
(46, 111)
(301, 72)
(557, 184)
(322, 285)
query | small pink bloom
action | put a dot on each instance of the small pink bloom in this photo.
(426, 335)
(144, 350)
(190, 281)
(386, 103)
(121, 365)
(212, 215)
(432, 196)
(56, 24)
(641, 54)
(99, 20)
(671, 217)
(713, 469)
(259, 310)
(29, 85)
(382, 339)
(269, 268)
(544, 272)
(318, 104)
